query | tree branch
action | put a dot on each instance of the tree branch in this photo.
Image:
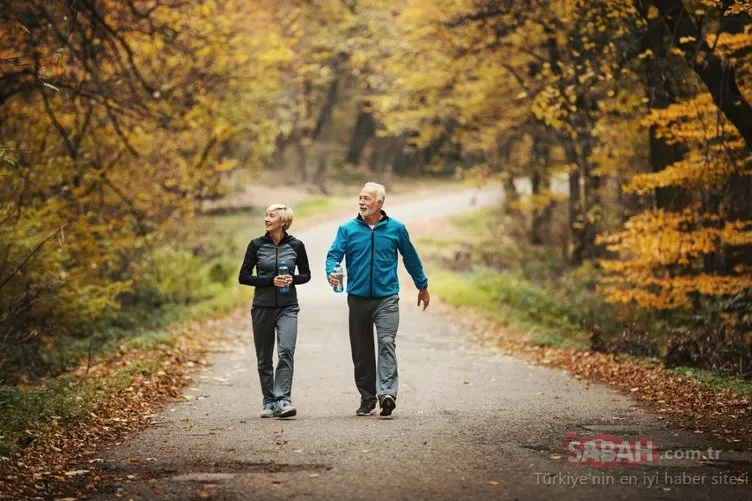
(36, 249)
(718, 75)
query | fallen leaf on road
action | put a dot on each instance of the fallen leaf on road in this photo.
(492, 482)
(276, 481)
(211, 486)
(554, 456)
(313, 475)
(74, 473)
(298, 450)
(467, 382)
(134, 459)
(203, 494)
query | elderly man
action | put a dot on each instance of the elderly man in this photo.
(369, 244)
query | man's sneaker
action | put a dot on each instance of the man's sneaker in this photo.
(284, 409)
(267, 411)
(387, 404)
(365, 408)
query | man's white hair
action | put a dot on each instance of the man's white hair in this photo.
(285, 214)
(380, 190)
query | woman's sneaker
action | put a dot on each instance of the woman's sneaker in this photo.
(284, 409)
(387, 405)
(267, 411)
(365, 408)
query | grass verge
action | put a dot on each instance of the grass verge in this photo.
(711, 381)
(512, 301)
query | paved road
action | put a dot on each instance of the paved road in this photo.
(470, 423)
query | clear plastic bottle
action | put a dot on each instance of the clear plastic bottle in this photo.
(283, 270)
(339, 275)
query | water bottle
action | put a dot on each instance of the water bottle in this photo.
(283, 270)
(339, 275)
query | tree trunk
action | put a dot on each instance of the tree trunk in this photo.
(592, 207)
(540, 180)
(320, 174)
(660, 95)
(717, 74)
(302, 161)
(510, 195)
(323, 129)
(575, 206)
(365, 129)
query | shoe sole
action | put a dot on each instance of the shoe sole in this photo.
(265, 416)
(387, 406)
(287, 413)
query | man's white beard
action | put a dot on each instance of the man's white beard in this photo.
(367, 212)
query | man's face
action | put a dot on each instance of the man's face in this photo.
(368, 202)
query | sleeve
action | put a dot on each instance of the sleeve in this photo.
(336, 251)
(301, 262)
(246, 276)
(411, 259)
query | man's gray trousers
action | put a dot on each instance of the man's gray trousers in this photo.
(374, 379)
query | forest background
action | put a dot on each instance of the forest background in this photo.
(124, 125)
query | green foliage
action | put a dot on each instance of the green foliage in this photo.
(174, 275)
(150, 340)
(715, 382)
(511, 300)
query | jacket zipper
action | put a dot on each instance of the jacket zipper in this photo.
(373, 244)
(276, 270)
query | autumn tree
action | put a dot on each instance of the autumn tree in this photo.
(114, 118)
(686, 254)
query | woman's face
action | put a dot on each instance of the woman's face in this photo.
(272, 220)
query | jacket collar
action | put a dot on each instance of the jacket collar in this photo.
(268, 238)
(384, 218)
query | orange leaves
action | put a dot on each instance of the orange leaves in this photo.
(664, 257)
(740, 7)
(660, 256)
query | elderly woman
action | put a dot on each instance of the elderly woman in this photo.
(275, 305)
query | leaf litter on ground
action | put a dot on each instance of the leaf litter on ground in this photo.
(60, 462)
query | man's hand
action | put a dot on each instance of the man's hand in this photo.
(282, 280)
(425, 297)
(333, 280)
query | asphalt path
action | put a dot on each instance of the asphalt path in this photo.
(470, 422)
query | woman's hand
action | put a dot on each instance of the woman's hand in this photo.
(282, 280)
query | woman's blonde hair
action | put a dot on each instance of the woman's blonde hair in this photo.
(285, 214)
